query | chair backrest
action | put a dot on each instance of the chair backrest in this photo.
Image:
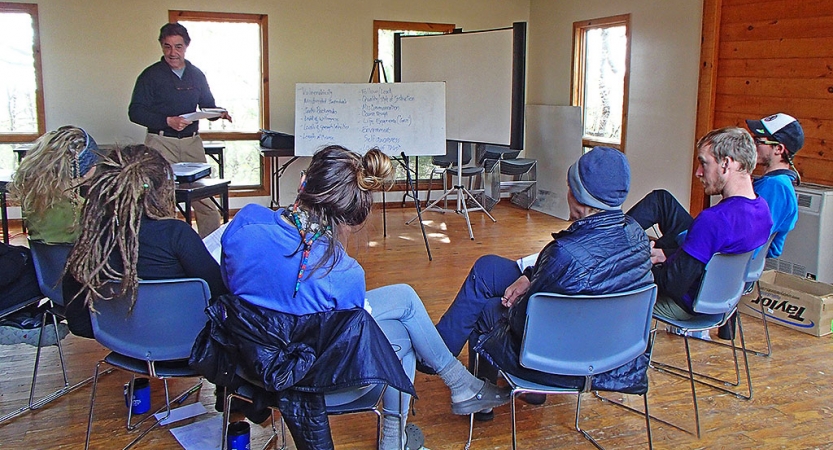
(50, 260)
(491, 151)
(585, 335)
(758, 261)
(722, 283)
(450, 157)
(163, 325)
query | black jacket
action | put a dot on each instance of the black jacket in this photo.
(294, 360)
(159, 93)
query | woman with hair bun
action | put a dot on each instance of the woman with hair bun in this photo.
(292, 261)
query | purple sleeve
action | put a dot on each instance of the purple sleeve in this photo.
(704, 236)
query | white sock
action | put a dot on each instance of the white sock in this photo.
(390, 434)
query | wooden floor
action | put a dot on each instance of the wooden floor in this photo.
(792, 406)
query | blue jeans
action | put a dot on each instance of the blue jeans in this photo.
(399, 305)
(660, 208)
(477, 307)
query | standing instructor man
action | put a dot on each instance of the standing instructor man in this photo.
(164, 91)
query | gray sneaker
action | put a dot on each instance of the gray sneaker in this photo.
(489, 396)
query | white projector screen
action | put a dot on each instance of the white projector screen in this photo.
(480, 70)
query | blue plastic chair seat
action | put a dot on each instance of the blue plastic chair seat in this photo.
(164, 369)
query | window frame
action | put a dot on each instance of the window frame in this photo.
(580, 29)
(32, 10)
(263, 22)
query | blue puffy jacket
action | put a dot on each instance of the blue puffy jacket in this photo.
(602, 253)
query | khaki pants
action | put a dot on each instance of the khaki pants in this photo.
(669, 308)
(188, 150)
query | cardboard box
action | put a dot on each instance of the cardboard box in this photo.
(799, 303)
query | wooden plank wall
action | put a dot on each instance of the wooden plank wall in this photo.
(770, 56)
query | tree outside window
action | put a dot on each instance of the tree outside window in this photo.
(383, 37)
(600, 79)
(236, 71)
(21, 96)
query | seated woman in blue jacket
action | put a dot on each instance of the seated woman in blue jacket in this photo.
(292, 261)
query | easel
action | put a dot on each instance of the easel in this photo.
(462, 195)
(379, 70)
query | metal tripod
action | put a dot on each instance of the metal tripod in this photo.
(462, 195)
(379, 68)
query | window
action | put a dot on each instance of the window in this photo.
(237, 71)
(21, 98)
(601, 56)
(383, 38)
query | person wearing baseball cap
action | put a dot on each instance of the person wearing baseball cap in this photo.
(603, 251)
(777, 139)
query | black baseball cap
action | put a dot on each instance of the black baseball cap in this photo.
(779, 127)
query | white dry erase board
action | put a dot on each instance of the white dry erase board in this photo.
(397, 118)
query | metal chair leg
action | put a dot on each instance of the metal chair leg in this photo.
(37, 362)
(66, 389)
(92, 405)
(717, 383)
(513, 413)
(765, 323)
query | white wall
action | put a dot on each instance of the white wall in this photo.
(92, 51)
(665, 55)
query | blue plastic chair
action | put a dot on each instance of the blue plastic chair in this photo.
(720, 291)
(753, 274)
(152, 340)
(49, 261)
(582, 335)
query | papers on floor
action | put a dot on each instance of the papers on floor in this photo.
(202, 435)
(181, 413)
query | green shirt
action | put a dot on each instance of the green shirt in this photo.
(57, 226)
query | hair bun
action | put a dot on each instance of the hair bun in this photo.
(375, 170)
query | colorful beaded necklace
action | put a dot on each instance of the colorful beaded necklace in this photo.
(310, 230)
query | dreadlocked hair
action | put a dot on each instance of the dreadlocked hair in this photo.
(129, 183)
(789, 161)
(338, 190)
(45, 177)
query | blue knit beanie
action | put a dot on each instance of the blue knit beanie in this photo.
(600, 178)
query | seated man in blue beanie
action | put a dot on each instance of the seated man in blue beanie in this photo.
(740, 223)
(603, 251)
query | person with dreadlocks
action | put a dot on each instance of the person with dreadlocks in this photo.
(292, 261)
(129, 231)
(48, 180)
